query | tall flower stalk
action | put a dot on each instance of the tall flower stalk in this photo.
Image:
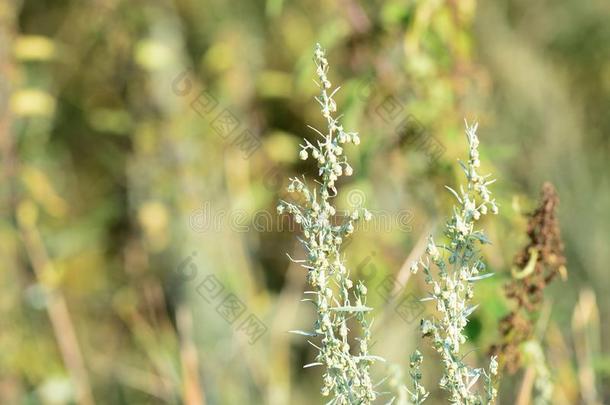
(450, 271)
(336, 297)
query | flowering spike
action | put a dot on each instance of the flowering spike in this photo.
(452, 288)
(336, 297)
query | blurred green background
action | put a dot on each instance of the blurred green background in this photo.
(144, 146)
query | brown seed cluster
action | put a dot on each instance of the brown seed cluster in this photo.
(541, 260)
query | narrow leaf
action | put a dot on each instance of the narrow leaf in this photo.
(360, 308)
(470, 310)
(302, 333)
(454, 193)
(480, 277)
(370, 357)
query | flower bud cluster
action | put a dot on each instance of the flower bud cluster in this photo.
(336, 297)
(418, 394)
(458, 267)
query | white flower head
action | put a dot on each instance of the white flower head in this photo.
(414, 266)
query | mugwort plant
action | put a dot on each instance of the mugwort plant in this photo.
(450, 270)
(337, 299)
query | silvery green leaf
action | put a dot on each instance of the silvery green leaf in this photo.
(480, 236)
(470, 310)
(295, 260)
(463, 167)
(454, 193)
(371, 357)
(480, 277)
(360, 308)
(302, 333)
(473, 381)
